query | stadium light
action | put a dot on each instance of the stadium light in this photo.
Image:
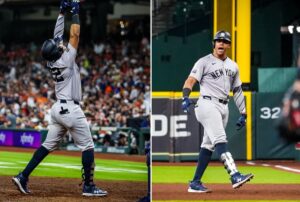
(291, 29)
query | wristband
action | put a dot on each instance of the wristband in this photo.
(75, 19)
(186, 92)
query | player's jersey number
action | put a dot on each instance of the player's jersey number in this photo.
(56, 74)
(269, 113)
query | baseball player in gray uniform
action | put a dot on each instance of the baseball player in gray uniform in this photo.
(66, 114)
(217, 75)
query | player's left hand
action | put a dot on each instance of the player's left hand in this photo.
(241, 122)
(75, 6)
(186, 102)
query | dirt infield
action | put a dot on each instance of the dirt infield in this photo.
(65, 190)
(225, 192)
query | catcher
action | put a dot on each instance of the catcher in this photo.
(66, 114)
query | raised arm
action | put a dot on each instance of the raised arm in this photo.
(75, 26)
(59, 28)
(60, 22)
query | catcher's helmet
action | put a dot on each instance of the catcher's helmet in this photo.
(51, 51)
(222, 35)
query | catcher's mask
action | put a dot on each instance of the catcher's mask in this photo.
(51, 51)
(222, 35)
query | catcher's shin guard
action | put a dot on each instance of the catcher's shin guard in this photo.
(228, 162)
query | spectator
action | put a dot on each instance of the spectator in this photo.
(115, 79)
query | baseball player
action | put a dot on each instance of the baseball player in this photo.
(217, 75)
(66, 114)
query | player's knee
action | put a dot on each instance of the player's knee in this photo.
(50, 146)
(208, 147)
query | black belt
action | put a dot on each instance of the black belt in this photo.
(65, 101)
(210, 98)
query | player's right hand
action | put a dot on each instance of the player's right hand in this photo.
(64, 4)
(75, 6)
(186, 102)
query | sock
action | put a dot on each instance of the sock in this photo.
(37, 157)
(204, 158)
(88, 166)
(220, 148)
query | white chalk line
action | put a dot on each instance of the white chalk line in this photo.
(70, 166)
(275, 166)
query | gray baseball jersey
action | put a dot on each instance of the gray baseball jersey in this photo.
(216, 78)
(66, 75)
(66, 114)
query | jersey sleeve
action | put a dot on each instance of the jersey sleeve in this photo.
(72, 50)
(197, 71)
(68, 58)
(71, 53)
(236, 80)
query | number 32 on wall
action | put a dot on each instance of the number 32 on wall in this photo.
(270, 113)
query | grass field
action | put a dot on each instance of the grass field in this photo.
(267, 185)
(70, 167)
(217, 174)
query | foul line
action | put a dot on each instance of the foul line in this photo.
(275, 166)
(288, 168)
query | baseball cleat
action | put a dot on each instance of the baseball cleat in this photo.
(239, 179)
(92, 190)
(197, 187)
(21, 183)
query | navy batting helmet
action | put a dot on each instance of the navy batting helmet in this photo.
(51, 51)
(222, 35)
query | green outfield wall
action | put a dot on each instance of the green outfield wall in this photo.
(174, 57)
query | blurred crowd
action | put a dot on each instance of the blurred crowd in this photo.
(115, 84)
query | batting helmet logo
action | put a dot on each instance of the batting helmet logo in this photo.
(222, 35)
(51, 51)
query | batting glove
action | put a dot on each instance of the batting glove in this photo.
(241, 122)
(75, 7)
(64, 4)
(186, 102)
